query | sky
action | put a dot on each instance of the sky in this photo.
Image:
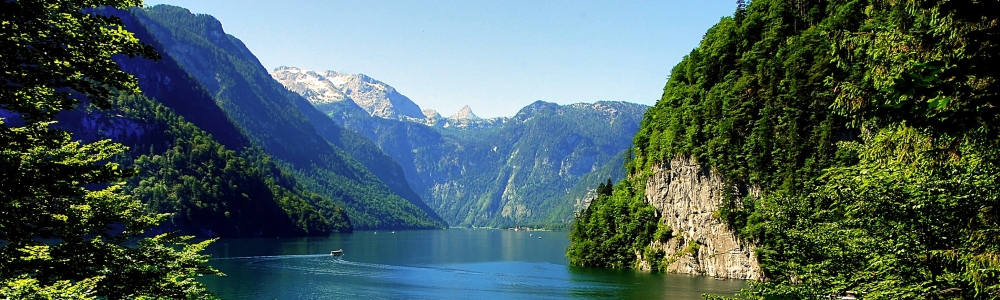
(495, 56)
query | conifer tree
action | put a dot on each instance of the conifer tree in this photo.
(66, 230)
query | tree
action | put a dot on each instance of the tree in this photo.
(926, 64)
(870, 129)
(66, 230)
(605, 189)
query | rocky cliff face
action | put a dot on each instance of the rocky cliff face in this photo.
(686, 197)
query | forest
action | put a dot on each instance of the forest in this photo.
(67, 229)
(869, 126)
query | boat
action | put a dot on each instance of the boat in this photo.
(849, 295)
(337, 252)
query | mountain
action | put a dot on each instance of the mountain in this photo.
(373, 96)
(214, 181)
(322, 157)
(464, 114)
(534, 168)
(352, 96)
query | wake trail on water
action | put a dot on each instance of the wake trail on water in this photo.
(318, 264)
(270, 257)
(419, 280)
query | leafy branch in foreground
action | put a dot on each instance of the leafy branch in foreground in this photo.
(66, 230)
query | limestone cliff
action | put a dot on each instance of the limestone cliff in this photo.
(686, 197)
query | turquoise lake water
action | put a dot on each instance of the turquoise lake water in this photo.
(434, 264)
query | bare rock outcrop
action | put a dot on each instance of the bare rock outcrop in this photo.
(686, 197)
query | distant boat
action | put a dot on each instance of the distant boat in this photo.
(849, 295)
(539, 238)
(337, 252)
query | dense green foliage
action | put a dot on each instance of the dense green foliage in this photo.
(916, 216)
(66, 228)
(608, 232)
(751, 102)
(213, 191)
(272, 118)
(870, 127)
(217, 192)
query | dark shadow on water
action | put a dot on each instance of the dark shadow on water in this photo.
(629, 284)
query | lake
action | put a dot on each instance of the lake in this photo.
(433, 264)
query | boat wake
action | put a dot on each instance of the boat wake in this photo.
(356, 279)
(319, 264)
(270, 257)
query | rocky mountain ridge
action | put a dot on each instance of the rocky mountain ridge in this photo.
(532, 168)
(374, 97)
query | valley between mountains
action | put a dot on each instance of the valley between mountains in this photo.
(233, 150)
(837, 149)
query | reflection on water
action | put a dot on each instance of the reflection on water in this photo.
(433, 264)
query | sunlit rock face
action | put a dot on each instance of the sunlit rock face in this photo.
(686, 197)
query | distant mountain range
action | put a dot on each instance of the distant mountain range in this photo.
(233, 151)
(358, 94)
(375, 97)
(534, 168)
(230, 152)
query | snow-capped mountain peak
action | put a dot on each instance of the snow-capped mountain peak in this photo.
(375, 97)
(317, 88)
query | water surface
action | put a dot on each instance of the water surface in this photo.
(433, 264)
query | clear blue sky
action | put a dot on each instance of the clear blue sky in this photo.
(495, 56)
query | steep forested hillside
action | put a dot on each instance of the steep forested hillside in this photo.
(213, 181)
(210, 190)
(270, 117)
(67, 230)
(870, 128)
